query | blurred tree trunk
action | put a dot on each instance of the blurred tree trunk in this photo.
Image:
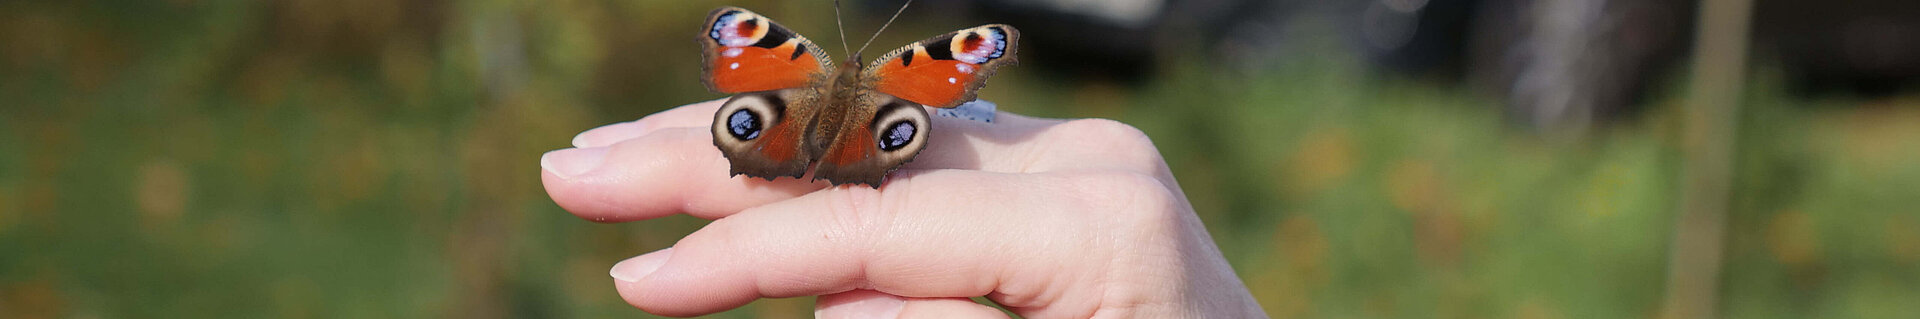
(1719, 70)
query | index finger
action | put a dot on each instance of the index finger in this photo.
(690, 115)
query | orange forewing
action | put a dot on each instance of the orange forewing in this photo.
(932, 82)
(945, 71)
(761, 69)
(745, 52)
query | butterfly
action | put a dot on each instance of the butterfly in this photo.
(794, 110)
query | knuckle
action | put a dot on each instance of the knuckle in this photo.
(856, 211)
(1113, 141)
(1120, 191)
(1108, 133)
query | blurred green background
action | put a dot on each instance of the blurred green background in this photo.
(376, 158)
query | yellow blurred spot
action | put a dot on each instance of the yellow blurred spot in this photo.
(265, 79)
(404, 64)
(1602, 194)
(586, 278)
(96, 59)
(1301, 241)
(39, 202)
(7, 207)
(1286, 291)
(1792, 239)
(1536, 309)
(1323, 158)
(1903, 239)
(1876, 137)
(38, 298)
(161, 192)
(1413, 186)
(1439, 237)
(294, 297)
(32, 37)
(1101, 99)
(784, 308)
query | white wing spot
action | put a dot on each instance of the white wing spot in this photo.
(735, 65)
(963, 68)
(732, 52)
(953, 81)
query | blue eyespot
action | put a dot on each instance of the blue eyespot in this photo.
(724, 19)
(744, 125)
(1000, 42)
(897, 136)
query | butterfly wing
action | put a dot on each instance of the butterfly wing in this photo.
(762, 130)
(763, 134)
(747, 52)
(874, 137)
(946, 70)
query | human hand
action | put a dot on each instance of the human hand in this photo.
(1048, 218)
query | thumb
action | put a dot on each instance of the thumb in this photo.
(874, 304)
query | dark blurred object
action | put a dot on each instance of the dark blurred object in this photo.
(1109, 40)
(1870, 47)
(1412, 36)
(1557, 64)
(1567, 64)
(1572, 63)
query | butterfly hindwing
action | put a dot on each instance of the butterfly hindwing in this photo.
(764, 134)
(874, 137)
(746, 52)
(946, 70)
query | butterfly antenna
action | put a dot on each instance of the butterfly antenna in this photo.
(843, 28)
(883, 27)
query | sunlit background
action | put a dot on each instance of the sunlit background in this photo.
(1360, 158)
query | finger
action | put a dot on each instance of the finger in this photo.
(874, 304)
(670, 171)
(609, 134)
(691, 115)
(920, 237)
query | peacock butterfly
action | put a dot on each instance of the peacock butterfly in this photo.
(795, 111)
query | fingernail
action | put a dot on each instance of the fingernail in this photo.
(573, 161)
(608, 135)
(632, 269)
(876, 307)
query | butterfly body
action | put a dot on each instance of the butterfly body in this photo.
(796, 111)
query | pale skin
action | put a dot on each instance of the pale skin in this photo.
(1049, 218)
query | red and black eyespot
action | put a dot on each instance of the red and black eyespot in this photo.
(937, 49)
(775, 38)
